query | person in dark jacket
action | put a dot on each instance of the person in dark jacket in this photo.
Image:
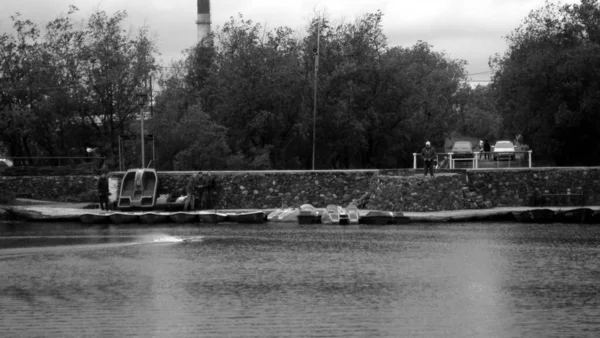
(206, 191)
(487, 148)
(481, 149)
(103, 191)
(429, 156)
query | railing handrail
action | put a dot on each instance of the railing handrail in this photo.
(53, 157)
(477, 154)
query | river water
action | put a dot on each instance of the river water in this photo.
(434, 280)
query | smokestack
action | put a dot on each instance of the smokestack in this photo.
(203, 22)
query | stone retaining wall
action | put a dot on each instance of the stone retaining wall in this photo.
(398, 190)
(519, 187)
(416, 193)
(272, 189)
(51, 188)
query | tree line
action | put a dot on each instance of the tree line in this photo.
(71, 86)
(243, 98)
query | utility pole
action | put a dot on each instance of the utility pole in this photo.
(141, 100)
(316, 51)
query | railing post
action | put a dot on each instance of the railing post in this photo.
(451, 162)
(476, 157)
(414, 160)
(529, 158)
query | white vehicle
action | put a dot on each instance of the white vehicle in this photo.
(503, 150)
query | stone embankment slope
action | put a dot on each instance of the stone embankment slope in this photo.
(399, 190)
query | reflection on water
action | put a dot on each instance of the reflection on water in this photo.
(459, 280)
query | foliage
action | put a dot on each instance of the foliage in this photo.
(547, 83)
(375, 104)
(70, 85)
(478, 115)
(243, 98)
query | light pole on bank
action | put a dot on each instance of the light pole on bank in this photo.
(141, 101)
(316, 52)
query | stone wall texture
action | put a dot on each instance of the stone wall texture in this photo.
(416, 193)
(394, 190)
(51, 188)
(273, 189)
(518, 187)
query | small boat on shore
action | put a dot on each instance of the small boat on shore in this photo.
(331, 215)
(308, 215)
(212, 217)
(274, 214)
(595, 218)
(246, 217)
(154, 217)
(579, 215)
(399, 218)
(377, 218)
(164, 203)
(535, 216)
(522, 216)
(353, 214)
(344, 220)
(94, 218)
(184, 217)
(287, 215)
(138, 189)
(123, 217)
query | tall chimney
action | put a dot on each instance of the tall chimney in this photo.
(203, 22)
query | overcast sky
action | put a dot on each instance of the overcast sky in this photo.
(472, 30)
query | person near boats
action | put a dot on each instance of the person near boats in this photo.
(206, 191)
(103, 191)
(190, 198)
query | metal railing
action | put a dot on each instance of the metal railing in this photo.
(52, 160)
(517, 159)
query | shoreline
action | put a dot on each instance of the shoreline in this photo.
(40, 211)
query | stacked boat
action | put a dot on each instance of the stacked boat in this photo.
(156, 217)
(577, 215)
(334, 214)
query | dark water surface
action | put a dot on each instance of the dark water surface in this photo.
(457, 280)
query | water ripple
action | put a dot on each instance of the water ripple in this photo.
(420, 281)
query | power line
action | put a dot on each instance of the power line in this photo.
(489, 71)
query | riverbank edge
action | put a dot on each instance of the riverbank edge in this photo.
(43, 211)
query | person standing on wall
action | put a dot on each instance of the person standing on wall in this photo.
(103, 191)
(487, 148)
(429, 156)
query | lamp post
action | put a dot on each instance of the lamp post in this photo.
(141, 100)
(316, 52)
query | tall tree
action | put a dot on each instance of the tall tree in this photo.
(375, 104)
(548, 85)
(477, 112)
